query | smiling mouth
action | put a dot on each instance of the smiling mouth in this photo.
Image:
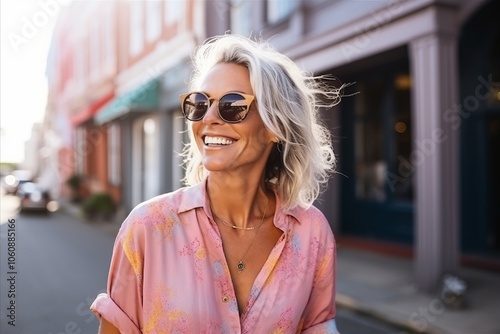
(217, 141)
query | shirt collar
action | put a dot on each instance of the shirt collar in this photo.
(196, 197)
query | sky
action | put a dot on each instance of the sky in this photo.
(26, 29)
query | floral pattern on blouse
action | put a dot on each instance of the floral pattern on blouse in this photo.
(168, 273)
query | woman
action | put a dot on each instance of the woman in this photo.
(242, 249)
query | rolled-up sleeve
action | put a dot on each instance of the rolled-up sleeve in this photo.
(104, 307)
(122, 304)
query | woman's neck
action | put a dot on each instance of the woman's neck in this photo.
(240, 201)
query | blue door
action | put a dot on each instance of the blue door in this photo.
(479, 66)
(377, 187)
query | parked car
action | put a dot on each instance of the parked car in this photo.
(12, 182)
(33, 197)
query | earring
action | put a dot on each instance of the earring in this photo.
(279, 146)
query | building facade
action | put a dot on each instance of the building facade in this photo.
(416, 130)
(155, 41)
(114, 82)
(81, 68)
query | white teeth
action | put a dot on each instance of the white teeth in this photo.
(217, 141)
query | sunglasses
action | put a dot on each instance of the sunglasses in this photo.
(232, 107)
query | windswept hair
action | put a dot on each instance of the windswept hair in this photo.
(288, 100)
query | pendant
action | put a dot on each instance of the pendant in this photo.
(241, 266)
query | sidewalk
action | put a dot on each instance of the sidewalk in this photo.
(74, 210)
(383, 287)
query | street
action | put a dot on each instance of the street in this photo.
(59, 264)
(349, 322)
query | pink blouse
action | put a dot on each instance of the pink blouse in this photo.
(168, 273)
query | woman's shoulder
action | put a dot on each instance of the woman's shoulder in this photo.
(162, 208)
(175, 200)
(311, 219)
(309, 214)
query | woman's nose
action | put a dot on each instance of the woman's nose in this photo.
(212, 114)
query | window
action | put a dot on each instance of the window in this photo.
(240, 17)
(174, 11)
(95, 49)
(109, 36)
(153, 20)
(136, 27)
(370, 165)
(80, 151)
(114, 171)
(278, 10)
(376, 149)
(383, 148)
(80, 65)
(401, 159)
(178, 140)
(150, 172)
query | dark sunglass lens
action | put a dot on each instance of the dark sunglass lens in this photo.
(195, 106)
(233, 107)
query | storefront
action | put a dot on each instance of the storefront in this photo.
(133, 116)
(377, 194)
(417, 137)
(479, 60)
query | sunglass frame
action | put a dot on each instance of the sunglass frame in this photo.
(246, 97)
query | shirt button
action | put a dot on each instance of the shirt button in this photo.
(225, 299)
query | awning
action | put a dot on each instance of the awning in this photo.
(87, 113)
(144, 98)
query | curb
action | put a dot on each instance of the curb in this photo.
(345, 301)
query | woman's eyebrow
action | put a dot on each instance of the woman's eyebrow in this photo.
(228, 92)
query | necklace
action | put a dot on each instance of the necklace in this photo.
(243, 228)
(237, 227)
(241, 264)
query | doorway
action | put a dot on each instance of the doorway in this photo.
(377, 192)
(479, 60)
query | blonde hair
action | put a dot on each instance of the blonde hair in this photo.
(288, 100)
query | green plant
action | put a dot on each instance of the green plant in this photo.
(99, 204)
(74, 182)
